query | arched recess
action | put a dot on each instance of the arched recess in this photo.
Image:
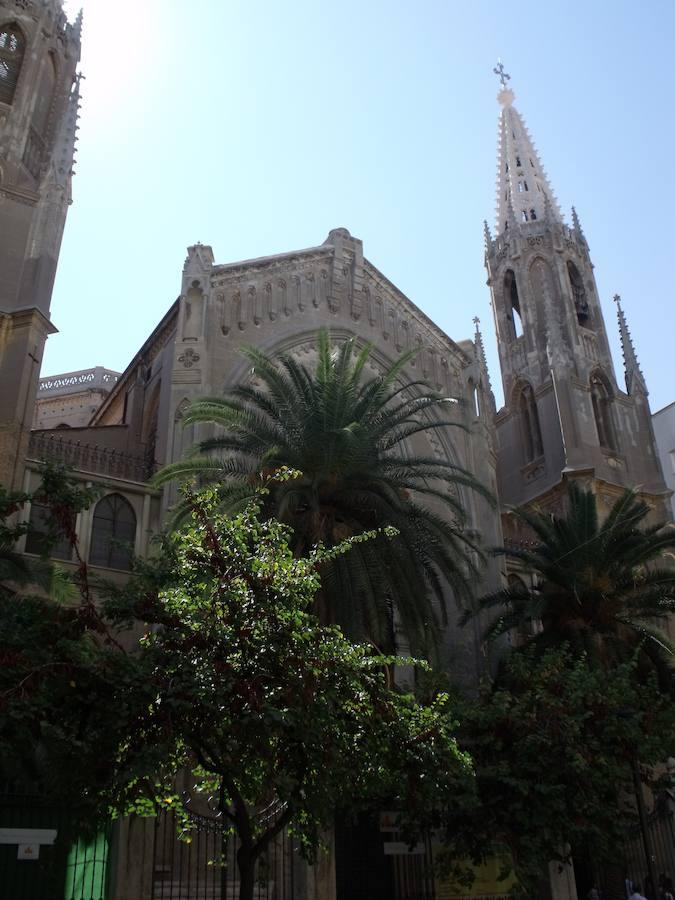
(12, 51)
(512, 305)
(45, 96)
(113, 533)
(601, 400)
(183, 438)
(579, 295)
(526, 405)
(193, 312)
(546, 293)
(150, 423)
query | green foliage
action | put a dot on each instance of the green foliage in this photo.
(63, 498)
(233, 680)
(253, 694)
(351, 434)
(553, 748)
(600, 586)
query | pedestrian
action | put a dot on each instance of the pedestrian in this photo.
(636, 895)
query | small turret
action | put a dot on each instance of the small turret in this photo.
(578, 231)
(635, 380)
(487, 236)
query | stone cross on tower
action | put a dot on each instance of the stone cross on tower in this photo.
(499, 70)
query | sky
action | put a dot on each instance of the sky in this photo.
(257, 126)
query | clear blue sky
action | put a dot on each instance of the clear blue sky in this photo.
(256, 127)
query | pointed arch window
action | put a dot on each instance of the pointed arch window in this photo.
(602, 412)
(529, 417)
(12, 49)
(524, 215)
(578, 294)
(475, 397)
(512, 302)
(44, 537)
(113, 533)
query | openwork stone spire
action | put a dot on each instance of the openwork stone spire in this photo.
(521, 180)
(634, 377)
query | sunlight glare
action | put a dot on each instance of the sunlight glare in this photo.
(118, 45)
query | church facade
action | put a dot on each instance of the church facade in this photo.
(564, 417)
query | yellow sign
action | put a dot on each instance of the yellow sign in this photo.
(486, 882)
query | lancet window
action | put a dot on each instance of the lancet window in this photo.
(529, 417)
(41, 538)
(513, 304)
(578, 294)
(12, 49)
(113, 533)
(602, 412)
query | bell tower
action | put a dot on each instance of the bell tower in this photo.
(564, 413)
(39, 99)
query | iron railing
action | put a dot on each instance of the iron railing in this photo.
(200, 863)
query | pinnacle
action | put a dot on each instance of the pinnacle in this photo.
(631, 365)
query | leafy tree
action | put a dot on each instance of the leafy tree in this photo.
(43, 639)
(599, 586)
(553, 748)
(349, 433)
(234, 681)
(62, 498)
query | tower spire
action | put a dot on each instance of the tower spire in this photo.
(521, 181)
(634, 376)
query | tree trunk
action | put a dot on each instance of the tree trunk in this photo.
(246, 866)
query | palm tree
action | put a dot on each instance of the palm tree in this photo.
(598, 586)
(347, 434)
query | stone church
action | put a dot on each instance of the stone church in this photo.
(565, 415)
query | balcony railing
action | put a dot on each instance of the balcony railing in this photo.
(84, 457)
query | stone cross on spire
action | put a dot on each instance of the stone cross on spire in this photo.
(634, 376)
(499, 70)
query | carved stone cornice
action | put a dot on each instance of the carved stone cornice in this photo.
(229, 273)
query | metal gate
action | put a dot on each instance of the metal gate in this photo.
(202, 865)
(662, 835)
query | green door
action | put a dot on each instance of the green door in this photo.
(73, 868)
